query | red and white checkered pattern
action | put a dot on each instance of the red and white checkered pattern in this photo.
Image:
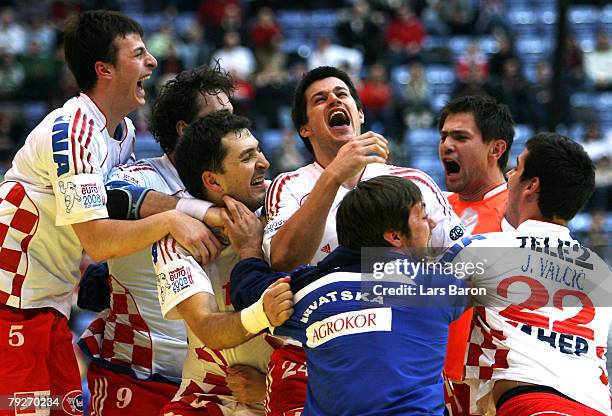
(120, 335)
(19, 222)
(127, 339)
(482, 354)
(192, 398)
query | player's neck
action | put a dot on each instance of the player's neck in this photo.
(112, 110)
(478, 191)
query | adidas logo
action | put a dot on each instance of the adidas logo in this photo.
(326, 249)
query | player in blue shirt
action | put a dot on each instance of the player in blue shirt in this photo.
(374, 327)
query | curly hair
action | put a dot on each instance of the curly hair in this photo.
(201, 148)
(178, 100)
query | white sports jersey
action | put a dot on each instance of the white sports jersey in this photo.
(539, 321)
(289, 191)
(133, 332)
(179, 277)
(57, 179)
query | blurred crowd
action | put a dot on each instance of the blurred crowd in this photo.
(407, 56)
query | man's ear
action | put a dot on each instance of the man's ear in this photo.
(103, 70)
(497, 149)
(394, 238)
(533, 188)
(181, 125)
(361, 116)
(210, 182)
(305, 131)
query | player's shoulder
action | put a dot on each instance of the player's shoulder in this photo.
(290, 183)
(406, 172)
(138, 173)
(139, 165)
(297, 175)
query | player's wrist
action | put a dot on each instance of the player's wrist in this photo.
(195, 208)
(248, 252)
(254, 318)
(331, 178)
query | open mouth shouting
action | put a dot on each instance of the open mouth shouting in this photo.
(140, 89)
(338, 120)
(451, 167)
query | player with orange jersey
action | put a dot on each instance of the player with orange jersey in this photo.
(476, 134)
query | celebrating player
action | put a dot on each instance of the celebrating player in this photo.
(301, 205)
(54, 205)
(137, 355)
(368, 352)
(476, 134)
(540, 354)
(217, 157)
(328, 115)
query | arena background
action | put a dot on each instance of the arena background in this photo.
(549, 60)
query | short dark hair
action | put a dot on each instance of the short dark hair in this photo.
(373, 207)
(178, 100)
(201, 148)
(493, 119)
(298, 111)
(90, 37)
(566, 174)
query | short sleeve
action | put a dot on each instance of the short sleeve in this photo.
(179, 276)
(281, 204)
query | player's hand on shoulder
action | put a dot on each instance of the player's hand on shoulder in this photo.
(278, 301)
(195, 237)
(243, 228)
(362, 150)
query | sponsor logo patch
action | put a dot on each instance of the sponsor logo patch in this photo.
(456, 233)
(348, 323)
(72, 403)
(273, 226)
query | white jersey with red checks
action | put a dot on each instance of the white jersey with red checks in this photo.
(57, 179)
(133, 332)
(179, 277)
(539, 321)
(289, 191)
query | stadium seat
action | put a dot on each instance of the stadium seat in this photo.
(422, 138)
(458, 45)
(422, 143)
(523, 21)
(606, 15)
(33, 112)
(146, 146)
(441, 78)
(522, 133)
(439, 100)
(271, 139)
